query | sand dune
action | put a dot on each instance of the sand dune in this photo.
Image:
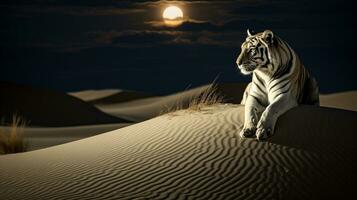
(92, 95)
(343, 100)
(48, 108)
(195, 155)
(109, 96)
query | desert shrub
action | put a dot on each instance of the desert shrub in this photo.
(209, 96)
(11, 136)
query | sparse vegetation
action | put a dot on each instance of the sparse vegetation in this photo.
(179, 105)
(11, 136)
(209, 96)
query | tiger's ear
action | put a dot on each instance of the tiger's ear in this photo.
(268, 36)
(248, 33)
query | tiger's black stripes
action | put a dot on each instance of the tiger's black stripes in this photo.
(278, 82)
(266, 56)
(285, 68)
(257, 99)
(259, 83)
(281, 87)
(259, 87)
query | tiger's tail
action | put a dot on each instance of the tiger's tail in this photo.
(311, 92)
(315, 100)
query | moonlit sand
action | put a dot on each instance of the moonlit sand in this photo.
(190, 154)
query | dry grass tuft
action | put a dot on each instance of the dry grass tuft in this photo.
(209, 96)
(179, 105)
(11, 136)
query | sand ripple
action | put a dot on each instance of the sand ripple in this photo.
(189, 155)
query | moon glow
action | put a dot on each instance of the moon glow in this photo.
(173, 16)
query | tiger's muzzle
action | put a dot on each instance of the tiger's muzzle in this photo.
(244, 66)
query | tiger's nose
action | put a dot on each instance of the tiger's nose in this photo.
(239, 61)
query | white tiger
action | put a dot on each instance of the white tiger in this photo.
(280, 82)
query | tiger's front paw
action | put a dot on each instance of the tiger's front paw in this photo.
(263, 133)
(247, 132)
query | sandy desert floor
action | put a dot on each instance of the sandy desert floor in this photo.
(187, 154)
(42, 137)
(194, 155)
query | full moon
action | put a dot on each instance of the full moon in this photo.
(172, 13)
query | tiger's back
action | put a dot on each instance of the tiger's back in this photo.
(308, 95)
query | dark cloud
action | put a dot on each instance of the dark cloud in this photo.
(187, 25)
(144, 38)
(185, 2)
(96, 3)
(241, 25)
(89, 3)
(68, 7)
(84, 10)
(150, 38)
(288, 23)
(193, 25)
(293, 7)
(233, 25)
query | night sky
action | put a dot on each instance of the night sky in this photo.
(70, 45)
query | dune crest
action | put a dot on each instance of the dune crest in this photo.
(91, 95)
(342, 100)
(41, 107)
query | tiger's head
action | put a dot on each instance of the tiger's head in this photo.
(256, 52)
